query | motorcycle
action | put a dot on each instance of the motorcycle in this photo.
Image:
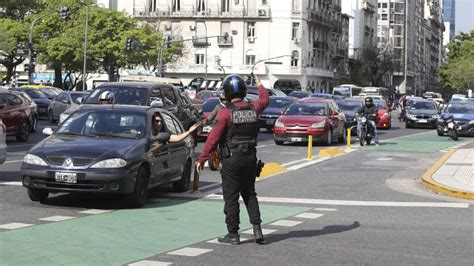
(449, 128)
(367, 131)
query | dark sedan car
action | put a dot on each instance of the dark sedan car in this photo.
(274, 110)
(41, 99)
(109, 149)
(421, 113)
(350, 106)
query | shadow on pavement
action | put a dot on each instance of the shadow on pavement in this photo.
(331, 229)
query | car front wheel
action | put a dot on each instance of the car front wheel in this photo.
(34, 124)
(23, 133)
(138, 198)
(183, 184)
(37, 194)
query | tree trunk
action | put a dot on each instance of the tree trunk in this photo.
(58, 79)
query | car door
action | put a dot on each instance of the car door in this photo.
(6, 113)
(340, 120)
(177, 149)
(160, 158)
(18, 110)
(53, 105)
(64, 103)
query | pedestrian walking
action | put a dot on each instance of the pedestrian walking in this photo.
(235, 132)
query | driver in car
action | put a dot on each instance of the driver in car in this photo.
(158, 128)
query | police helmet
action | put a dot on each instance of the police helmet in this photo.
(234, 86)
(107, 96)
(369, 100)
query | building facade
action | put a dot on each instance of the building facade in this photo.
(449, 17)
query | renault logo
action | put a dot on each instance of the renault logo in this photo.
(67, 162)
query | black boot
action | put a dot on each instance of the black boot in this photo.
(257, 233)
(233, 239)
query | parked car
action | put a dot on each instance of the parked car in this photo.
(49, 91)
(275, 109)
(318, 117)
(300, 94)
(15, 113)
(350, 106)
(41, 100)
(33, 108)
(62, 102)
(384, 116)
(421, 113)
(3, 142)
(106, 149)
(463, 117)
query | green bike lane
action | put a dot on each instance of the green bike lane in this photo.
(125, 236)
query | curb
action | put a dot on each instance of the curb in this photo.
(428, 182)
(271, 169)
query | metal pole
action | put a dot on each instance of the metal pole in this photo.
(205, 58)
(263, 60)
(160, 59)
(30, 47)
(84, 69)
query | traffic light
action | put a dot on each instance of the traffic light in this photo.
(168, 41)
(128, 45)
(26, 67)
(64, 11)
(33, 56)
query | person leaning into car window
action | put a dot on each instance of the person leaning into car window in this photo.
(157, 128)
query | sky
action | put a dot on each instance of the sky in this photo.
(464, 15)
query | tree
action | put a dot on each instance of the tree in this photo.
(457, 72)
(14, 35)
(18, 9)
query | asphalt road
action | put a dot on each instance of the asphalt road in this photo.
(364, 207)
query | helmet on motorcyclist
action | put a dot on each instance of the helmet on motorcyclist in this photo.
(107, 97)
(369, 101)
(234, 87)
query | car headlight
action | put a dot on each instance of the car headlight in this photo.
(279, 124)
(33, 159)
(435, 116)
(411, 116)
(319, 124)
(471, 122)
(110, 163)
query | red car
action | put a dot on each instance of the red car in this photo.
(202, 96)
(384, 115)
(15, 113)
(207, 108)
(318, 117)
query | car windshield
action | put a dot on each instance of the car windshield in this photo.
(422, 105)
(107, 123)
(307, 109)
(74, 96)
(36, 94)
(279, 102)
(209, 105)
(461, 109)
(49, 91)
(380, 104)
(349, 105)
(123, 95)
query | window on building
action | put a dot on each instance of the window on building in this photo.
(199, 58)
(250, 58)
(384, 16)
(295, 7)
(225, 6)
(176, 5)
(294, 30)
(384, 5)
(201, 5)
(295, 56)
(250, 29)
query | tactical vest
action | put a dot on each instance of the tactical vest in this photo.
(244, 127)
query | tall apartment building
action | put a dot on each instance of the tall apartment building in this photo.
(362, 25)
(308, 36)
(449, 17)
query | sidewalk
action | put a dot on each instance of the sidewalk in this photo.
(453, 174)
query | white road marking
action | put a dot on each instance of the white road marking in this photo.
(189, 252)
(302, 165)
(57, 218)
(11, 226)
(309, 215)
(16, 161)
(354, 202)
(384, 159)
(95, 211)
(214, 241)
(294, 162)
(211, 185)
(11, 183)
(261, 146)
(264, 231)
(325, 209)
(150, 263)
(286, 223)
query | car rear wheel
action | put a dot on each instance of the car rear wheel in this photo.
(34, 124)
(183, 184)
(328, 138)
(51, 117)
(37, 194)
(23, 133)
(138, 198)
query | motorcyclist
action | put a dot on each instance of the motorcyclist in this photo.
(107, 97)
(403, 105)
(369, 110)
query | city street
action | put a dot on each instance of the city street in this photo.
(366, 206)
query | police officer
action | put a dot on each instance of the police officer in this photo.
(235, 132)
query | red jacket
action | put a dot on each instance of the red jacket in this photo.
(219, 130)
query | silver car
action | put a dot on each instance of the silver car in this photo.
(63, 101)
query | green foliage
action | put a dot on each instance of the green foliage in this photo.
(458, 70)
(18, 9)
(13, 33)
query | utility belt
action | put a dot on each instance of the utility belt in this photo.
(241, 149)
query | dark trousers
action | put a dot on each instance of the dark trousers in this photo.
(238, 178)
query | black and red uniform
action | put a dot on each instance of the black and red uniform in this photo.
(235, 132)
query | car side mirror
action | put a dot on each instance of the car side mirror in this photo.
(157, 103)
(48, 131)
(79, 100)
(162, 137)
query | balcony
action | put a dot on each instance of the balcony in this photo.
(368, 7)
(262, 12)
(225, 41)
(321, 18)
(320, 45)
(200, 41)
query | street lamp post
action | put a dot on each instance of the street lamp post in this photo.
(30, 46)
(263, 60)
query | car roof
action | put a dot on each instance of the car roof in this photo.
(314, 100)
(133, 84)
(121, 107)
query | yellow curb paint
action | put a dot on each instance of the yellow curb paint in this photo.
(330, 152)
(271, 169)
(428, 182)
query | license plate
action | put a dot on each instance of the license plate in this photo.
(270, 122)
(65, 177)
(296, 139)
(422, 121)
(206, 129)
